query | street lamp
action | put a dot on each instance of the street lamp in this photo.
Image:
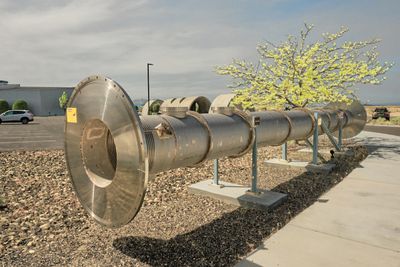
(148, 87)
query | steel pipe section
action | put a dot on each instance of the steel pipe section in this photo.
(222, 101)
(200, 104)
(174, 142)
(112, 153)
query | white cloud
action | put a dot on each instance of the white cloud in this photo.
(60, 42)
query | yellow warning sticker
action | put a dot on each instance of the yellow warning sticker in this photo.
(72, 115)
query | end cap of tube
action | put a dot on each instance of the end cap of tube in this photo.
(105, 150)
(358, 117)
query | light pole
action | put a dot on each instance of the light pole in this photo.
(148, 87)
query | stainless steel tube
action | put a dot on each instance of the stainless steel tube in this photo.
(193, 138)
(112, 153)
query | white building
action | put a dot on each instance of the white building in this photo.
(42, 101)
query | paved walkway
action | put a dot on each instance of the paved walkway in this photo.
(358, 225)
(390, 129)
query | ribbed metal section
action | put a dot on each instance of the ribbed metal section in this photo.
(274, 128)
(148, 127)
(231, 142)
(195, 137)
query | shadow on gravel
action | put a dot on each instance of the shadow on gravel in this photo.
(229, 238)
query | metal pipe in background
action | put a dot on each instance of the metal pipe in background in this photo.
(200, 104)
(111, 153)
(148, 106)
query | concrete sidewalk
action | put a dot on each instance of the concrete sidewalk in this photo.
(357, 224)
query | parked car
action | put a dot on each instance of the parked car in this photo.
(23, 116)
(381, 113)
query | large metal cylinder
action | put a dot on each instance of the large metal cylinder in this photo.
(112, 153)
(187, 141)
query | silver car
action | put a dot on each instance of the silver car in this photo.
(23, 116)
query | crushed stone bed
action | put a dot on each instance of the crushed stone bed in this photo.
(43, 224)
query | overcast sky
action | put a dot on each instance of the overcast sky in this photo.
(58, 43)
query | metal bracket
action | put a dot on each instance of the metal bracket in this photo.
(340, 133)
(163, 130)
(330, 136)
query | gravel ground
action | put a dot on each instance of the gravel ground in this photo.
(43, 224)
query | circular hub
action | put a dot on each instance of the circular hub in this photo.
(105, 151)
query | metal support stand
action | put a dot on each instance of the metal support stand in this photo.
(249, 197)
(216, 174)
(254, 164)
(314, 145)
(284, 151)
(315, 140)
(253, 189)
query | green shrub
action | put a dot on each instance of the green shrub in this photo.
(63, 100)
(4, 106)
(195, 107)
(20, 104)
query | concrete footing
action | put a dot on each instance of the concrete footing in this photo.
(238, 195)
(346, 152)
(306, 166)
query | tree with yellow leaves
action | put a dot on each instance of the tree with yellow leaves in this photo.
(296, 73)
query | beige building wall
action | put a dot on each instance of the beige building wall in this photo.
(42, 101)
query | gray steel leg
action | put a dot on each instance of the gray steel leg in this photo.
(254, 164)
(315, 140)
(284, 151)
(340, 135)
(216, 175)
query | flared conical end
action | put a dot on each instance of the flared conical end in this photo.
(357, 121)
(105, 150)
